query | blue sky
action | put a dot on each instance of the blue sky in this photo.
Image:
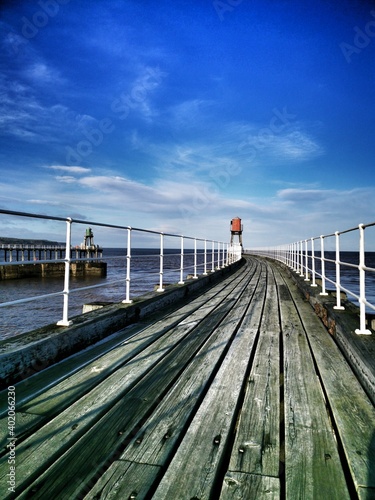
(179, 116)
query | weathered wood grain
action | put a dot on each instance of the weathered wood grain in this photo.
(43, 447)
(257, 446)
(64, 383)
(240, 486)
(91, 451)
(155, 441)
(125, 480)
(192, 472)
(186, 405)
(312, 463)
(353, 412)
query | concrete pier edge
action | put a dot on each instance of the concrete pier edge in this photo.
(26, 354)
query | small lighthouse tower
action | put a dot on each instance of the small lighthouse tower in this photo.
(235, 248)
(88, 242)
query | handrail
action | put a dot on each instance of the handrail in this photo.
(303, 257)
(218, 257)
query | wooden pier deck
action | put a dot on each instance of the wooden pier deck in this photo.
(240, 393)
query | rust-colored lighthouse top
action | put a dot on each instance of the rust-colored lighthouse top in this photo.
(235, 225)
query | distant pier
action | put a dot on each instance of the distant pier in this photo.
(26, 261)
(21, 253)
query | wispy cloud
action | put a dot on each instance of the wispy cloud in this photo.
(73, 169)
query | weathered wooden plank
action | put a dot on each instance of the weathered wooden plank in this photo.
(353, 412)
(43, 447)
(49, 377)
(257, 445)
(115, 484)
(100, 442)
(54, 438)
(238, 485)
(61, 395)
(24, 421)
(38, 383)
(192, 472)
(155, 441)
(312, 462)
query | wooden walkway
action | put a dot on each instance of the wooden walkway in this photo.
(239, 393)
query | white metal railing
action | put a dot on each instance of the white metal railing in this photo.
(310, 259)
(215, 255)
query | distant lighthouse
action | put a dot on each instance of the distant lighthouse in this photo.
(235, 248)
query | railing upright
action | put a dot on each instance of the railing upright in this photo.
(313, 263)
(128, 261)
(161, 289)
(213, 257)
(338, 274)
(195, 259)
(301, 255)
(362, 330)
(306, 263)
(65, 319)
(322, 265)
(205, 258)
(181, 282)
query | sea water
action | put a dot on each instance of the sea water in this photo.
(144, 275)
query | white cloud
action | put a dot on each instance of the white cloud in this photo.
(73, 169)
(189, 113)
(41, 74)
(68, 179)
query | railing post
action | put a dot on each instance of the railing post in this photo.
(323, 267)
(205, 258)
(362, 330)
(338, 271)
(195, 259)
(128, 259)
(65, 320)
(181, 282)
(213, 257)
(306, 263)
(301, 272)
(313, 263)
(161, 289)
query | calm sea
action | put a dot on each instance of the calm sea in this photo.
(145, 267)
(145, 264)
